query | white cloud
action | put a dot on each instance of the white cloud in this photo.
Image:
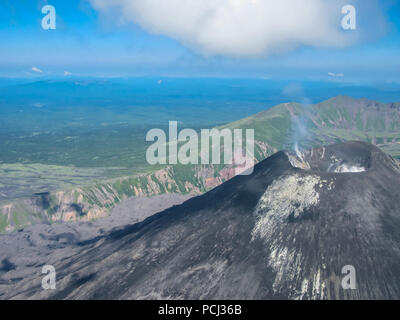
(67, 73)
(335, 75)
(242, 28)
(37, 70)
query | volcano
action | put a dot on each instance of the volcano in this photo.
(284, 232)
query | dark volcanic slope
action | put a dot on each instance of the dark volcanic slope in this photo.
(283, 232)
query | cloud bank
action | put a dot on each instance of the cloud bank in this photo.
(335, 75)
(36, 69)
(242, 28)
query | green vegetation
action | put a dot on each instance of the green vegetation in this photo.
(110, 167)
(335, 120)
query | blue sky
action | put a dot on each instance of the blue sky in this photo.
(90, 41)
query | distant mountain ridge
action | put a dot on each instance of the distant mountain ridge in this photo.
(279, 128)
(335, 120)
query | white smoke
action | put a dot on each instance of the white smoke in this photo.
(241, 28)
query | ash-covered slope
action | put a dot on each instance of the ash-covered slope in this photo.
(282, 232)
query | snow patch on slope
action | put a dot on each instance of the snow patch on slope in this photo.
(349, 168)
(288, 197)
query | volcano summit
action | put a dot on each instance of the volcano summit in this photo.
(284, 232)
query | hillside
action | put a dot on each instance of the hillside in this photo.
(337, 119)
(282, 127)
(280, 233)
